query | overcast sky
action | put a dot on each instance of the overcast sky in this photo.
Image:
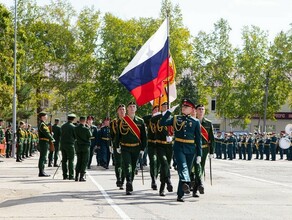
(270, 15)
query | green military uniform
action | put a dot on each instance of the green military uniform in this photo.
(8, 137)
(152, 150)
(131, 145)
(120, 177)
(187, 145)
(56, 130)
(164, 153)
(208, 145)
(24, 148)
(29, 142)
(68, 138)
(83, 136)
(20, 139)
(44, 139)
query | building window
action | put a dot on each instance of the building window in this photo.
(213, 105)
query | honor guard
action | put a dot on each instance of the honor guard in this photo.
(187, 143)
(249, 146)
(261, 146)
(44, 139)
(267, 146)
(83, 136)
(163, 139)
(273, 145)
(151, 146)
(120, 177)
(208, 145)
(68, 138)
(131, 136)
(218, 145)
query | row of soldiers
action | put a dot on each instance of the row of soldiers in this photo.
(26, 140)
(264, 146)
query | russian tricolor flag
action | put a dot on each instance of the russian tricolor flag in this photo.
(144, 75)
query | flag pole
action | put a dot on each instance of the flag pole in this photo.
(168, 46)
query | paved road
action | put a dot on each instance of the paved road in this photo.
(241, 190)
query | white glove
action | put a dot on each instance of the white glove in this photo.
(211, 156)
(141, 153)
(119, 150)
(111, 149)
(198, 159)
(172, 108)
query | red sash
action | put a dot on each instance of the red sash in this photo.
(204, 133)
(133, 126)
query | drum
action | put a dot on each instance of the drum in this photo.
(284, 143)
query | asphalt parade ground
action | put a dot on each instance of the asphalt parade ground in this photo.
(255, 189)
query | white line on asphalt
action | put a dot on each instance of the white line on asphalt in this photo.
(257, 179)
(120, 212)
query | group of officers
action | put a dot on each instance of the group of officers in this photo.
(185, 138)
(265, 146)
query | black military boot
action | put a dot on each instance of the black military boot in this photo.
(200, 186)
(169, 186)
(153, 183)
(129, 188)
(82, 179)
(18, 159)
(161, 189)
(76, 176)
(50, 163)
(42, 173)
(195, 189)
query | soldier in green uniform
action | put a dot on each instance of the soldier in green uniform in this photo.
(261, 146)
(267, 146)
(2, 133)
(164, 149)
(20, 138)
(29, 140)
(218, 143)
(151, 147)
(187, 144)
(68, 138)
(121, 112)
(44, 139)
(131, 136)
(208, 145)
(25, 142)
(8, 137)
(56, 130)
(83, 136)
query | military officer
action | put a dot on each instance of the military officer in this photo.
(208, 145)
(83, 136)
(121, 112)
(151, 146)
(56, 130)
(239, 145)
(68, 138)
(44, 139)
(93, 142)
(163, 139)
(20, 139)
(249, 146)
(261, 146)
(8, 137)
(131, 136)
(267, 146)
(2, 133)
(218, 143)
(103, 143)
(187, 143)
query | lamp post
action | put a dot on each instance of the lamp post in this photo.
(14, 84)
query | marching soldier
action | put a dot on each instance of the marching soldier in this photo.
(56, 130)
(68, 138)
(151, 146)
(187, 144)
(83, 136)
(208, 145)
(131, 136)
(121, 111)
(44, 139)
(164, 149)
